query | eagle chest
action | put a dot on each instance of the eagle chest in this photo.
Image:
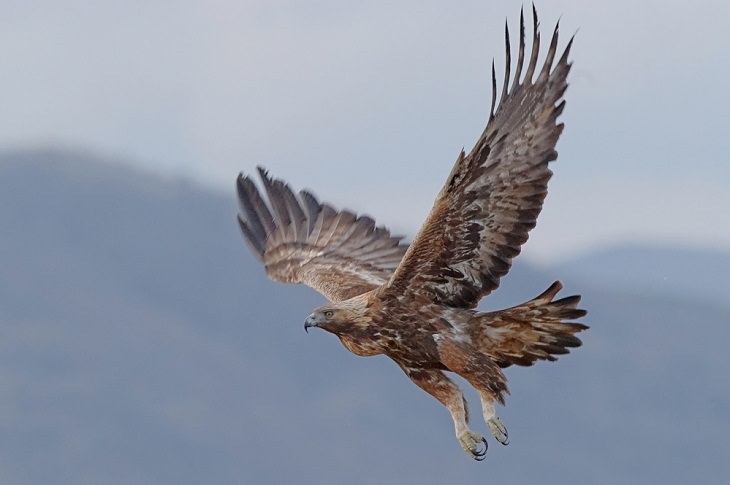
(364, 342)
(377, 339)
(408, 344)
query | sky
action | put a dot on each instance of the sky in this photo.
(369, 103)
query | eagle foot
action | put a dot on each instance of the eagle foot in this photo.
(472, 442)
(498, 430)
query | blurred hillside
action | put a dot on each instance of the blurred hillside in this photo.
(141, 343)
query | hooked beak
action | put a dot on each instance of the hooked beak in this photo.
(310, 322)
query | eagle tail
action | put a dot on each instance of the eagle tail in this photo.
(535, 330)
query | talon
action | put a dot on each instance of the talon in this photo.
(480, 455)
(498, 430)
(471, 442)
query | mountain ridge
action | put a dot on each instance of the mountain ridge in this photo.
(141, 343)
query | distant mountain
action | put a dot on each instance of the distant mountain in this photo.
(701, 275)
(141, 343)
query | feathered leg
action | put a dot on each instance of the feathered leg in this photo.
(494, 424)
(482, 373)
(448, 393)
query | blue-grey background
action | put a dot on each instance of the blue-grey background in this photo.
(361, 98)
(141, 343)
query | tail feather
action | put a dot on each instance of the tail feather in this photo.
(534, 330)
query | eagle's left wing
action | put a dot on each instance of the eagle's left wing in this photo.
(494, 194)
(300, 240)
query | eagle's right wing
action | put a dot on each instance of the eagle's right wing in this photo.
(300, 240)
(493, 196)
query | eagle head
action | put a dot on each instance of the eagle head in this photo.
(351, 321)
(342, 317)
(329, 318)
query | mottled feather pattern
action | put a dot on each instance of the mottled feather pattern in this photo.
(300, 240)
(535, 330)
(494, 194)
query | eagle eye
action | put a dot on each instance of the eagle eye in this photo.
(329, 313)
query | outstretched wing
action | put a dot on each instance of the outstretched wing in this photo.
(494, 194)
(300, 240)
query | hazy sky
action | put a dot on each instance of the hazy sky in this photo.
(368, 103)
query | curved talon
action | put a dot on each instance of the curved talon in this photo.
(504, 438)
(480, 455)
(471, 443)
(498, 430)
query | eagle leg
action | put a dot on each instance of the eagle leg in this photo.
(482, 373)
(448, 393)
(498, 430)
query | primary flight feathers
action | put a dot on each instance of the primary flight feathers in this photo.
(494, 194)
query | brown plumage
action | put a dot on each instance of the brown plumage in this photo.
(300, 240)
(416, 304)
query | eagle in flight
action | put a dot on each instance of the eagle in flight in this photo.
(416, 303)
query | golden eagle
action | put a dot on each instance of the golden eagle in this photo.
(416, 304)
